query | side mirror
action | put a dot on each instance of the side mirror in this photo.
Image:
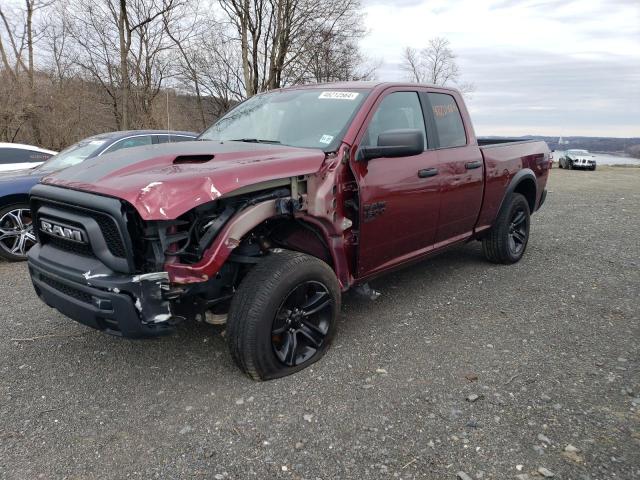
(394, 143)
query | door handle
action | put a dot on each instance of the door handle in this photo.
(427, 172)
(472, 165)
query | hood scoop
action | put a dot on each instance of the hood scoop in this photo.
(180, 159)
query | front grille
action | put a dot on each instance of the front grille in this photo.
(66, 289)
(111, 235)
(68, 246)
(107, 225)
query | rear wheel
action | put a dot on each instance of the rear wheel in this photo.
(507, 240)
(593, 168)
(16, 232)
(283, 316)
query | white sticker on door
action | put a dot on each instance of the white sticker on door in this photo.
(339, 95)
(326, 139)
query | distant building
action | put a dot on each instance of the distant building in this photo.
(563, 142)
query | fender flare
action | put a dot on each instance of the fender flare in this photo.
(518, 178)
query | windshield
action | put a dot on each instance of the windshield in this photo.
(74, 154)
(299, 118)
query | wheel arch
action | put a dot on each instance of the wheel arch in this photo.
(322, 244)
(298, 235)
(310, 235)
(525, 183)
(14, 199)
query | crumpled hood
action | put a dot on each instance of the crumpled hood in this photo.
(159, 188)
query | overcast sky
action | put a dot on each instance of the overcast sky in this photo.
(547, 67)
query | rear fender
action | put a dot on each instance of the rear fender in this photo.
(524, 181)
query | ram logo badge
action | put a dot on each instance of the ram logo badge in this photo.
(62, 231)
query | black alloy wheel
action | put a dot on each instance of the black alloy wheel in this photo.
(518, 231)
(302, 323)
(507, 240)
(283, 315)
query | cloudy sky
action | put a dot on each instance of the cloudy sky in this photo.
(547, 67)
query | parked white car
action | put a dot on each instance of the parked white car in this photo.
(16, 156)
(577, 159)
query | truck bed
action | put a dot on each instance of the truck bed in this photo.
(503, 159)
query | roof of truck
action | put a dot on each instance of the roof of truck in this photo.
(368, 85)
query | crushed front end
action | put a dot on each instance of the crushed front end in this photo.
(84, 266)
(98, 262)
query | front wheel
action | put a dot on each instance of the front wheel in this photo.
(507, 240)
(16, 232)
(283, 316)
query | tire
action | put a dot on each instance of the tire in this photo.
(16, 232)
(507, 240)
(267, 335)
(559, 163)
(570, 165)
(593, 169)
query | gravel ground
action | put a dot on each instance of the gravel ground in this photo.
(549, 346)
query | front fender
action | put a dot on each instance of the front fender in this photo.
(224, 244)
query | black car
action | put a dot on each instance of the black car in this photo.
(16, 235)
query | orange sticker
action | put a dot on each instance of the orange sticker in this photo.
(444, 110)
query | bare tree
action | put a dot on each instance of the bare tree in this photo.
(121, 44)
(281, 41)
(73, 68)
(435, 64)
(207, 62)
(22, 36)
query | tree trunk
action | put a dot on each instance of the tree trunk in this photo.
(244, 45)
(33, 116)
(124, 66)
(200, 107)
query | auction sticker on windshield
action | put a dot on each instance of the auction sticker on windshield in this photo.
(326, 139)
(339, 95)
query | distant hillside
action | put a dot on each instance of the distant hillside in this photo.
(619, 146)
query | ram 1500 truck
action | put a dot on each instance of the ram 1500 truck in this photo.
(289, 200)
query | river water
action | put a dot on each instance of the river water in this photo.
(604, 159)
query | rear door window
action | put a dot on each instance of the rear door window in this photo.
(20, 155)
(448, 120)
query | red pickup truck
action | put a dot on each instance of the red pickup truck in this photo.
(290, 199)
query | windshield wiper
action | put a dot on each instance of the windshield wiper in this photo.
(254, 140)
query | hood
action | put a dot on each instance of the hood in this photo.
(164, 181)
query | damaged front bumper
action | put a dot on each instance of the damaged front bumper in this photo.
(84, 290)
